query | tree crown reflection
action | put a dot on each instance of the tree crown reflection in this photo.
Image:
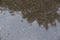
(43, 11)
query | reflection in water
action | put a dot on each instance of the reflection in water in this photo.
(43, 18)
(43, 11)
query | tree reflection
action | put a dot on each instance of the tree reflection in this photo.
(43, 11)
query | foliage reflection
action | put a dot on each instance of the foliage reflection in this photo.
(43, 11)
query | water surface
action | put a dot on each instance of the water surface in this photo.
(29, 20)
